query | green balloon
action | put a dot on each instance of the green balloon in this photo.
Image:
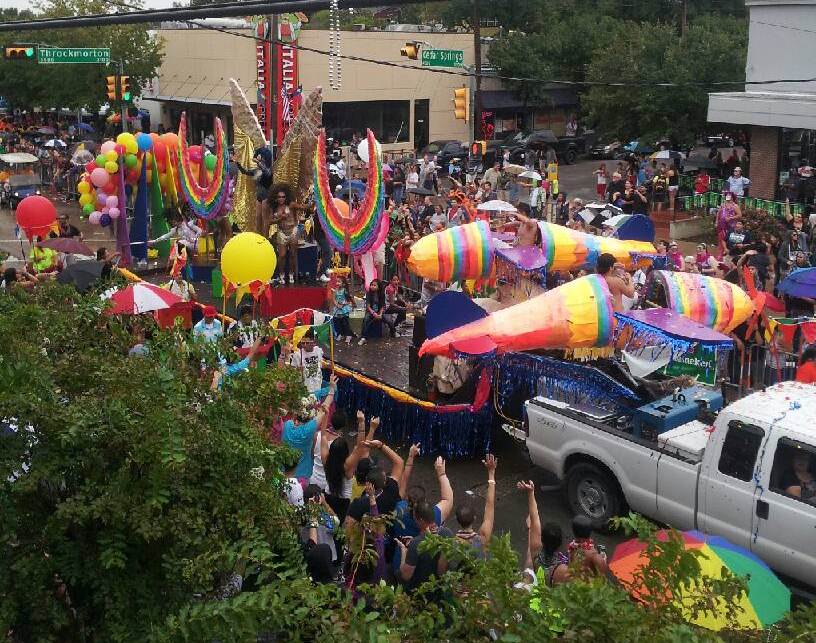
(88, 208)
(131, 161)
(101, 160)
(209, 161)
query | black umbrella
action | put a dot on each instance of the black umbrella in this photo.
(420, 191)
(82, 274)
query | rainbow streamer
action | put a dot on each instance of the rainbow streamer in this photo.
(461, 252)
(206, 201)
(576, 315)
(713, 302)
(567, 249)
(356, 234)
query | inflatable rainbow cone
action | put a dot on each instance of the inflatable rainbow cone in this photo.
(567, 249)
(461, 252)
(713, 302)
(576, 315)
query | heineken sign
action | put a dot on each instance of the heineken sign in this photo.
(700, 363)
(55, 55)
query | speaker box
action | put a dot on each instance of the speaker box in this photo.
(419, 368)
(419, 330)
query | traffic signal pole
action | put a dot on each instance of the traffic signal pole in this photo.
(477, 52)
(121, 72)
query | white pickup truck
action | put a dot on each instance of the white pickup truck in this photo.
(751, 477)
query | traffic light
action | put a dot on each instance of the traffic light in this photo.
(111, 83)
(461, 103)
(16, 52)
(410, 50)
(124, 85)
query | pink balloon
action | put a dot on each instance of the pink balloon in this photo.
(100, 177)
(194, 153)
(114, 213)
(107, 146)
(112, 201)
(95, 217)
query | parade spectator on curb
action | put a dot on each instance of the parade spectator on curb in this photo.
(582, 549)
(491, 176)
(67, 230)
(702, 182)
(323, 524)
(412, 495)
(330, 471)
(640, 202)
(706, 262)
(739, 240)
(385, 487)
(21, 278)
(600, 181)
(616, 185)
(301, 437)
(543, 560)
(418, 567)
(465, 515)
(660, 188)
(673, 185)
(795, 241)
(738, 184)
(412, 178)
(675, 257)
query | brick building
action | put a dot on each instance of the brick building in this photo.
(781, 117)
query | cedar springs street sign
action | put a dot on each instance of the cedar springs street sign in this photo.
(443, 57)
(54, 55)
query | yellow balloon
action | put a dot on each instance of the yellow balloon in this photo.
(130, 146)
(124, 138)
(85, 199)
(84, 187)
(111, 167)
(248, 257)
(111, 155)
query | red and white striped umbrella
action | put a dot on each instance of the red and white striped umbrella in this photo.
(141, 297)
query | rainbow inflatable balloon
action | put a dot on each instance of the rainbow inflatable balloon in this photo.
(461, 252)
(576, 315)
(713, 302)
(567, 249)
(354, 234)
(207, 201)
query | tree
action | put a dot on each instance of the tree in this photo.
(27, 84)
(713, 50)
(144, 490)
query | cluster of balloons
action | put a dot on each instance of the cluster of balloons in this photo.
(99, 187)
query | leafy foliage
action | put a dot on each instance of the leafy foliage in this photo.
(27, 84)
(132, 496)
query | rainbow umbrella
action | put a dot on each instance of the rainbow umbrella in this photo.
(766, 602)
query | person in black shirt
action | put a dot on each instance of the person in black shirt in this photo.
(739, 239)
(640, 201)
(66, 230)
(386, 487)
(417, 567)
(617, 185)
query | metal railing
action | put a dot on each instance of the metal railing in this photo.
(755, 368)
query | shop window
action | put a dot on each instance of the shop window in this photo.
(739, 451)
(794, 471)
(388, 119)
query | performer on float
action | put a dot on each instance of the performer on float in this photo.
(286, 215)
(185, 235)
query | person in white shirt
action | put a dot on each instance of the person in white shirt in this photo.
(209, 328)
(183, 289)
(738, 183)
(412, 178)
(308, 357)
(185, 232)
(246, 328)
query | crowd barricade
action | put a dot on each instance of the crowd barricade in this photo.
(757, 367)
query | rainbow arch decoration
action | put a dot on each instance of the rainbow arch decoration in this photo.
(206, 201)
(576, 315)
(356, 233)
(713, 302)
(567, 249)
(462, 252)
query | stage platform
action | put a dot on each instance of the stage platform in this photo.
(385, 360)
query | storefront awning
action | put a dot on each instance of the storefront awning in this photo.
(770, 109)
(190, 100)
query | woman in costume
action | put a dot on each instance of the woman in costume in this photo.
(286, 215)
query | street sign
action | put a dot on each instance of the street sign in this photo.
(443, 58)
(54, 55)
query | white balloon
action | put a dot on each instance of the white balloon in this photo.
(362, 150)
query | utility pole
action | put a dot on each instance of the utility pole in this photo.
(477, 51)
(273, 79)
(121, 96)
(683, 19)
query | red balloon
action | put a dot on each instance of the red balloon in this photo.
(194, 153)
(343, 207)
(90, 166)
(160, 150)
(120, 149)
(36, 215)
(132, 176)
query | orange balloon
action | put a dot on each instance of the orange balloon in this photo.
(154, 137)
(170, 139)
(342, 207)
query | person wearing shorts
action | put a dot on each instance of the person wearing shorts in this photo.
(284, 214)
(601, 178)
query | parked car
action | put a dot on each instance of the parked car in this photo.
(736, 478)
(719, 140)
(611, 150)
(444, 151)
(567, 148)
(23, 177)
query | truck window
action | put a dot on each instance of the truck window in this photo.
(739, 451)
(794, 470)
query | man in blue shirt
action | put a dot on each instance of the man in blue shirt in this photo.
(301, 437)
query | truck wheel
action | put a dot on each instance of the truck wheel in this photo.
(593, 493)
(570, 157)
